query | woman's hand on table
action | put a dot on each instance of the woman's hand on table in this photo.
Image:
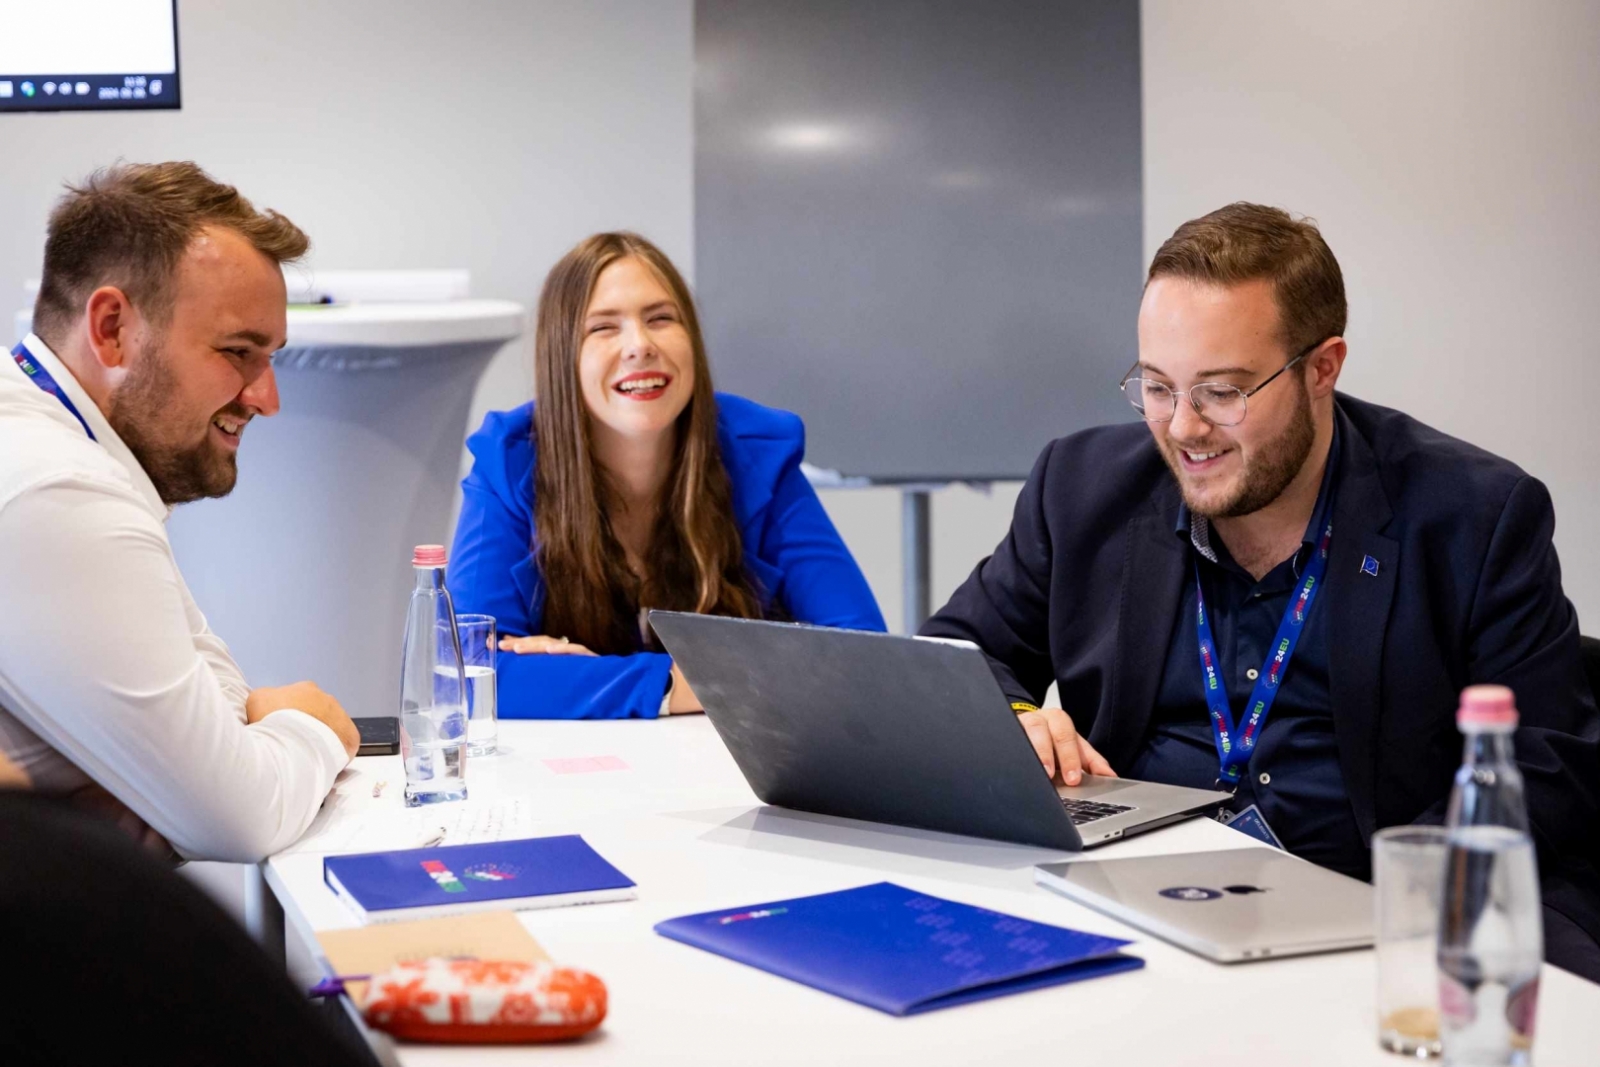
(553, 646)
(680, 698)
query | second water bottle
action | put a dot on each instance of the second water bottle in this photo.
(1491, 932)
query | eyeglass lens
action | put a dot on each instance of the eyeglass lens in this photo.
(1221, 404)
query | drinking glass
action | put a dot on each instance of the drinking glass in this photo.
(1408, 870)
(478, 650)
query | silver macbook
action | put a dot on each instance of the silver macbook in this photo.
(899, 730)
(1229, 906)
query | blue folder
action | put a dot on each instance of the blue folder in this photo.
(899, 951)
(423, 883)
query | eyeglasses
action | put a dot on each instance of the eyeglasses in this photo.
(1218, 403)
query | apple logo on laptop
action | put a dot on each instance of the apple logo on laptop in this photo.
(1190, 893)
(1196, 894)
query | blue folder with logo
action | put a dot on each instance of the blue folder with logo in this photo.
(425, 883)
(899, 951)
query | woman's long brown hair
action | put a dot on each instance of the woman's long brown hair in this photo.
(695, 560)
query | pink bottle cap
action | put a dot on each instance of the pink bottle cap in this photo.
(428, 556)
(1486, 705)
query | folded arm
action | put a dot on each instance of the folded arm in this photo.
(544, 685)
(492, 546)
(112, 666)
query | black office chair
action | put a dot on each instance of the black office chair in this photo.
(1589, 652)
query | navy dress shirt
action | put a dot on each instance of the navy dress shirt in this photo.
(1293, 776)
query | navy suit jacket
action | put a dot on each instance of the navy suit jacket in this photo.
(1084, 589)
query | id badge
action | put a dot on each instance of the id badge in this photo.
(1251, 822)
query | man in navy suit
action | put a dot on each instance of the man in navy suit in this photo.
(1152, 572)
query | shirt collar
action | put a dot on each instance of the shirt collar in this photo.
(1197, 528)
(104, 435)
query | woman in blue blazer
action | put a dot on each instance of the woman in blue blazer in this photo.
(630, 485)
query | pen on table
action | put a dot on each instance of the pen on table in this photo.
(436, 839)
(333, 985)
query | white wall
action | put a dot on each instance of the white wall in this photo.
(1450, 150)
(1448, 147)
(407, 133)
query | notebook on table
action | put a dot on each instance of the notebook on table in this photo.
(425, 883)
(900, 951)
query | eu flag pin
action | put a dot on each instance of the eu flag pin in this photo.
(1369, 566)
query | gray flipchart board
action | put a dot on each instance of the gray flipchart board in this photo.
(918, 222)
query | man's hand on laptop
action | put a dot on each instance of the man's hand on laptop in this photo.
(1065, 755)
(309, 698)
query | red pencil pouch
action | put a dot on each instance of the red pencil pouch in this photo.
(485, 1001)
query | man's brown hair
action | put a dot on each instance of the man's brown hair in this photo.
(129, 226)
(1245, 242)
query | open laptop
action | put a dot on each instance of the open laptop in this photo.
(1234, 905)
(908, 731)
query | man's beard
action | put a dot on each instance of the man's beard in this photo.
(1267, 474)
(140, 410)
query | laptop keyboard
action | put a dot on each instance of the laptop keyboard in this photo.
(1082, 811)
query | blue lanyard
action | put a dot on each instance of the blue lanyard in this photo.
(41, 377)
(1233, 754)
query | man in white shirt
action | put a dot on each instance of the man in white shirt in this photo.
(160, 308)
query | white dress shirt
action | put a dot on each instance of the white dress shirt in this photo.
(108, 671)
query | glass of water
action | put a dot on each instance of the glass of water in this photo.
(1408, 872)
(478, 650)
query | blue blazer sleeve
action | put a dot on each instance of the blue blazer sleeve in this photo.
(791, 546)
(492, 571)
(544, 686)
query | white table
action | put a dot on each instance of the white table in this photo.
(682, 823)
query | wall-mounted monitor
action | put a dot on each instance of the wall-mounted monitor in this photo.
(88, 55)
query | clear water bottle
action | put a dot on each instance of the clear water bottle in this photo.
(433, 705)
(1491, 930)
